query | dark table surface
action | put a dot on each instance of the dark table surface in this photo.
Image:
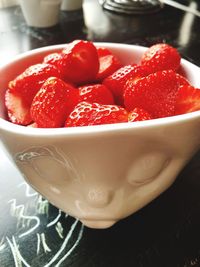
(164, 233)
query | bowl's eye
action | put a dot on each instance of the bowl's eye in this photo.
(47, 163)
(147, 167)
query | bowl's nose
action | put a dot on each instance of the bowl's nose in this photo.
(99, 197)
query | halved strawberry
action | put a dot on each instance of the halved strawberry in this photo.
(103, 51)
(188, 100)
(117, 81)
(85, 114)
(17, 109)
(138, 114)
(29, 82)
(79, 62)
(53, 102)
(161, 57)
(98, 93)
(155, 93)
(108, 65)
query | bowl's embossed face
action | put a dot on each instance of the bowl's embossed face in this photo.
(147, 167)
(48, 162)
(54, 174)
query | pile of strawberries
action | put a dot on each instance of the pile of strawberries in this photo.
(87, 85)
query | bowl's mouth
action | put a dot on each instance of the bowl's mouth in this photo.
(106, 128)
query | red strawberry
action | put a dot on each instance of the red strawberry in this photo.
(85, 114)
(181, 80)
(155, 93)
(29, 82)
(98, 93)
(18, 110)
(118, 79)
(139, 114)
(102, 51)
(52, 59)
(188, 99)
(79, 63)
(161, 57)
(108, 65)
(53, 102)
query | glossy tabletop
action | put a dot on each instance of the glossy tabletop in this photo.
(164, 233)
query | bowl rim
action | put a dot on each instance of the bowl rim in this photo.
(94, 129)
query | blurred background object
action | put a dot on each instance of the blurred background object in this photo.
(132, 6)
(70, 5)
(7, 3)
(41, 13)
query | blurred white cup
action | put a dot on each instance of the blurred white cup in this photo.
(41, 13)
(70, 5)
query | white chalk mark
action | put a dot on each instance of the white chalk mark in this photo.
(18, 259)
(41, 237)
(63, 244)
(18, 252)
(38, 243)
(2, 244)
(55, 220)
(2, 247)
(18, 212)
(72, 248)
(42, 206)
(33, 228)
(14, 209)
(28, 193)
(46, 248)
(59, 229)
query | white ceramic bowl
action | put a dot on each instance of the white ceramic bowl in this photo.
(101, 174)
